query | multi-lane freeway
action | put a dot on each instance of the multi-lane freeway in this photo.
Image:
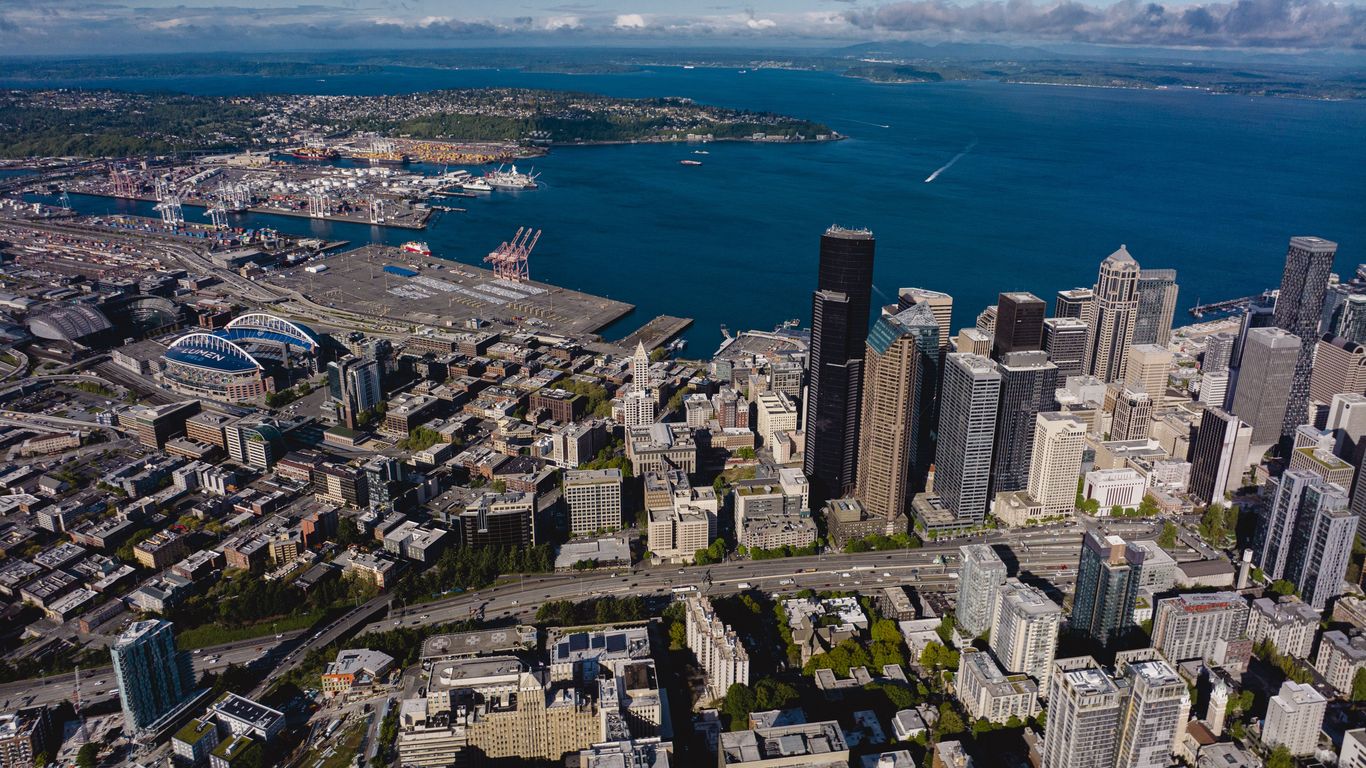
(1047, 553)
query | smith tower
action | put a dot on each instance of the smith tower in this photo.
(839, 326)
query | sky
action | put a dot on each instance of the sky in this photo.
(73, 27)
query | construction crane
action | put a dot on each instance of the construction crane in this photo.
(376, 209)
(509, 260)
(65, 201)
(163, 188)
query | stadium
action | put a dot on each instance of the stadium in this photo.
(252, 355)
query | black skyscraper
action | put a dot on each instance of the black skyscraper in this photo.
(1028, 383)
(1298, 310)
(1019, 323)
(839, 326)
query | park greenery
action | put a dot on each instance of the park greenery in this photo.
(878, 542)
(420, 439)
(472, 568)
(598, 610)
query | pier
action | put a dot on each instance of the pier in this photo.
(656, 333)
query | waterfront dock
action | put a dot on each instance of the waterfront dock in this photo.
(656, 333)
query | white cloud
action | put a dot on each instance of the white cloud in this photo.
(761, 23)
(629, 21)
(553, 23)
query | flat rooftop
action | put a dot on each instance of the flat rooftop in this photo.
(479, 642)
(444, 291)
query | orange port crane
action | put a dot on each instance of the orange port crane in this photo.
(509, 260)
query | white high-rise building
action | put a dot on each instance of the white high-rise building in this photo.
(593, 497)
(1214, 388)
(1156, 711)
(718, 649)
(1084, 716)
(1024, 630)
(981, 572)
(1059, 440)
(1294, 718)
(774, 412)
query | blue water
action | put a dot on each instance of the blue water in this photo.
(1054, 180)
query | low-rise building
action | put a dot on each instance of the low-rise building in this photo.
(1340, 657)
(1288, 624)
(988, 692)
(355, 669)
(809, 745)
(243, 717)
(24, 735)
(192, 744)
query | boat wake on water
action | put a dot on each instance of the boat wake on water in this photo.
(950, 163)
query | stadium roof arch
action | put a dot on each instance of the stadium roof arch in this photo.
(206, 350)
(259, 326)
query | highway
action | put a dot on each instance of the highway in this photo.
(1048, 553)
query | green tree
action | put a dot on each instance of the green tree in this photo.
(739, 702)
(1359, 686)
(774, 694)
(1167, 539)
(88, 756)
(678, 636)
(712, 554)
(1280, 758)
(1148, 507)
(1282, 587)
(950, 722)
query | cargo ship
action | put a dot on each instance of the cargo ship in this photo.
(413, 246)
(476, 185)
(314, 153)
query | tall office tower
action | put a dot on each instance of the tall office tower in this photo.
(1190, 626)
(1219, 455)
(1294, 717)
(1024, 631)
(1084, 716)
(1133, 415)
(1214, 389)
(1108, 577)
(1218, 352)
(899, 366)
(1112, 334)
(153, 676)
(981, 572)
(1064, 339)
(1059, 440)
(1299, 307)
(1019, 323)
(1156, 306)
(1148, 369)
(967, 428)
(1028, 381)
(1339, 368)
(941, 304)
(839, 326)
(1265, 380)
(1155, 711)
(1306, 537)
(1079, 303)
(353, 384)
